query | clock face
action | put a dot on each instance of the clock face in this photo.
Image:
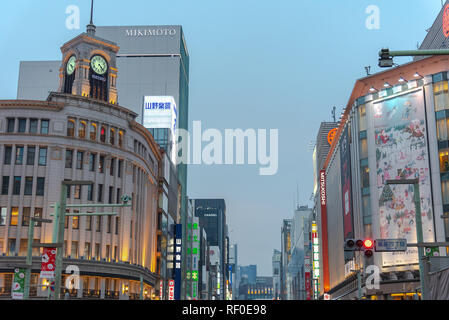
(71, 65)
(99, 64)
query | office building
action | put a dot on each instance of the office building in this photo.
(276, 262)
(212, 215)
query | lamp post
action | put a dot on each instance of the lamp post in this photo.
(419, 233)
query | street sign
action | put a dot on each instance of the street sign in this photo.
(390, 245)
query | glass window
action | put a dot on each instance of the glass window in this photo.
(117, 224)
(68, 158)
(92, 161)
(109, 226)
(26, 216)
(38, 214)
(90, 193)
(444, 161)
(112, 167)
(28, 186)
(119, 169)
(440, 90)
(101, 164)
(111, 193)
(363, 148)
(11, 124)
(120, 138)
(44, 126)
(74, 250)
(366, 206)
(93, 131)
(14, 216)
(75, 221)
(112, 136)
(16, 185)
(42, 156)
(100, 193)
(87, 253)
(40, 186)
(442, 125)
(22, 124)
(98, 226)
(19, 155)
(79, 160)
(119, 195)
(97, 251)
(103, 134)
(88, 222)
(5, 185)
(33, 125)
(8, 155)
(31, 154)
(362, 118)
(71, 128)
(445, 191)
(78, 191)
(82, 129)
(3, 211)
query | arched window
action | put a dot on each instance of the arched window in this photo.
(71, 128)
(93, 131)
(103, 134)
(82, 130)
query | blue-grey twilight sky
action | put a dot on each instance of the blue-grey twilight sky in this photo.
(253, 64)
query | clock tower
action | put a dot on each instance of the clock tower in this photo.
(89, 67)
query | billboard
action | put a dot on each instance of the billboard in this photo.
(402, 153)
(160, 112)
(345, 156)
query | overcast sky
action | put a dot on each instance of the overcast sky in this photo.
(253, 64)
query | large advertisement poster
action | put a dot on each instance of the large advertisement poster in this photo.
(402, 153)
(48, 263)
(345, 158)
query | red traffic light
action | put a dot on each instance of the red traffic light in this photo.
(368, 244)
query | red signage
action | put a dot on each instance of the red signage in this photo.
(446, 21)
(48, 263)
(325, 250)
(308, 287)
(171, 289)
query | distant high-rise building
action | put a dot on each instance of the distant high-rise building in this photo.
(276, 262)
(212, 214)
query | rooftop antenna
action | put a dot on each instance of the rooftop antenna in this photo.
(368, 69)
(91, 26)
(333, 112)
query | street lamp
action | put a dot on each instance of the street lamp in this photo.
(419, 233)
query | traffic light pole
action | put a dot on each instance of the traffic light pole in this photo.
(386, 56)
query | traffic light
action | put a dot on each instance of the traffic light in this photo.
(385, 60)
(365, 245)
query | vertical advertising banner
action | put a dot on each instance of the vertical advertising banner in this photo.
(18, 285)
(345, 159)
(171, 289)
(402, 153)
(48, 263)
(307, 284)
(178, 251)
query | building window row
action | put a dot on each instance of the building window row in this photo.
(27, 125)
(14, 216)
(95, 131)
(28, 185)
(80, 156)
(114, 196)
(29, 159)
(112, 223)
